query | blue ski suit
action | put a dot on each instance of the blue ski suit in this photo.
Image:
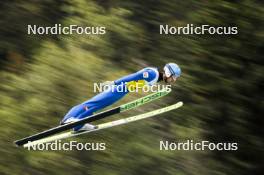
(146, 76)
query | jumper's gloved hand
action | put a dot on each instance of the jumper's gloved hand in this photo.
(135, 86)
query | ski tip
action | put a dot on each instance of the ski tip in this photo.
(180, 103)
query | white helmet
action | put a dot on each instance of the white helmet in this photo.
(172, 69)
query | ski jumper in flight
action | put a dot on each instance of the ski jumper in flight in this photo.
(147, 76)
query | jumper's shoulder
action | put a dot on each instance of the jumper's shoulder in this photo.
(149, 73)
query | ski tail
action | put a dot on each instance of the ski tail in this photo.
(105, 125)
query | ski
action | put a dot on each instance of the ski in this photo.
(105, 125)
(101, 115)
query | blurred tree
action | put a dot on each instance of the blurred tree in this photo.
(16, 46)
(221, 84)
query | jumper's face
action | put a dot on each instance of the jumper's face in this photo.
(170, 79)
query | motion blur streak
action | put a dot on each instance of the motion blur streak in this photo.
(42, 77)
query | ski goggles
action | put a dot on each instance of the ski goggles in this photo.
(169, 73)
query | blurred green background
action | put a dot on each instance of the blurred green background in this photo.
(43, 76)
